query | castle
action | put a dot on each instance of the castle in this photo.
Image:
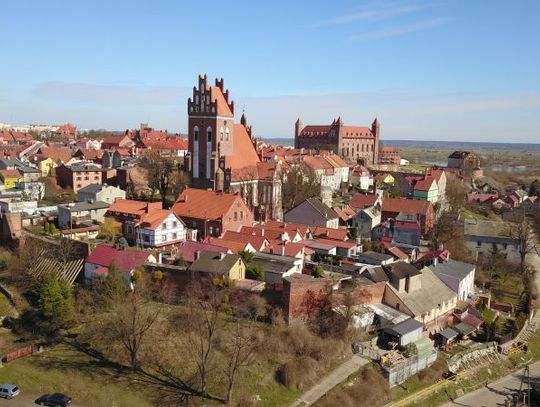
(354, 143)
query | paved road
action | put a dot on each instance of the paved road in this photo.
(337, 376)
(496, 393)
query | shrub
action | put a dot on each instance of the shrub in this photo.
(298, 373)
(157, 275)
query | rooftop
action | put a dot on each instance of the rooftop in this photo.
(453, 268)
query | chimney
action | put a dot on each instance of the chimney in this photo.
(222, 255)
(196, 255)
(160, 258)
(262, 232)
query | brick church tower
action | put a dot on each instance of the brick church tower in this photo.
(210, 131)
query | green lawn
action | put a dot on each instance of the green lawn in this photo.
(488, 314)
(66, 370)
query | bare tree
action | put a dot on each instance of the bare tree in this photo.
(240, 349)
(298, 184)
(129, 323)
(524, 234)
(161, 172)
(454, 194)
(205, 325)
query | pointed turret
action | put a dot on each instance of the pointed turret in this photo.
(243, 119)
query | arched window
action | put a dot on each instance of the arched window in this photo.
(221, 134)
(227, 135)
(195, 133)
(209, 134)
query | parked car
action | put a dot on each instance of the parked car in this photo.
(8, 391)
(54, 400)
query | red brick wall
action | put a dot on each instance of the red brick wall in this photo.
(360, 295)
(303, 298)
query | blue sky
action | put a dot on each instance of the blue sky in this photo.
(429, 69)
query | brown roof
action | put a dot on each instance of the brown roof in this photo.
(416, 206)
(58, 154)
(424, 184)
(10, 173)
(330, 233)
(200, 203)
(361, 201)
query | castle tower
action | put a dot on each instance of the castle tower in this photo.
(298, 127)
(376, 131)
(210, 122)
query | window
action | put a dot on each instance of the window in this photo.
(195, 133)
(236, 216)
(130, 229)
(164, 226)
(241, 215)
(227, 135)
(209, 134)
(221, 134)
(78, 185)
(505, 246)
(210, 230)
(478, 244)
(86, 178)
(175, 224)
(174, 236)
(146, 238)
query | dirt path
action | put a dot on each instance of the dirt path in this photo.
(338, 375)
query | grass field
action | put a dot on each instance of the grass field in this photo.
(67, 370)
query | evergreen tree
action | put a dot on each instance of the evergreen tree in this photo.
(317, 271)
(255, 272)
(55, 300)
(114, 287)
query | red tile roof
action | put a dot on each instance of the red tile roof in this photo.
(203, 204)
(223, 108)
(155, 217)
(233, 246)
(290, 249)
(424, 184)
(361, 201)
(132, 207)
(257, 241)
(330, 233)
(345, 213)
(187, 249)
(244, 153)
(123, 259)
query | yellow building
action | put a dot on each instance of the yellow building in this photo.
(220, 265)
(46, 166)
(10, 178)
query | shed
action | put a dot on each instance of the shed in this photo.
(446, 336)
(405, 332)
(464, 329)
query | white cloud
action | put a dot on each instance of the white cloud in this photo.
(375, 12)
(395, 31)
